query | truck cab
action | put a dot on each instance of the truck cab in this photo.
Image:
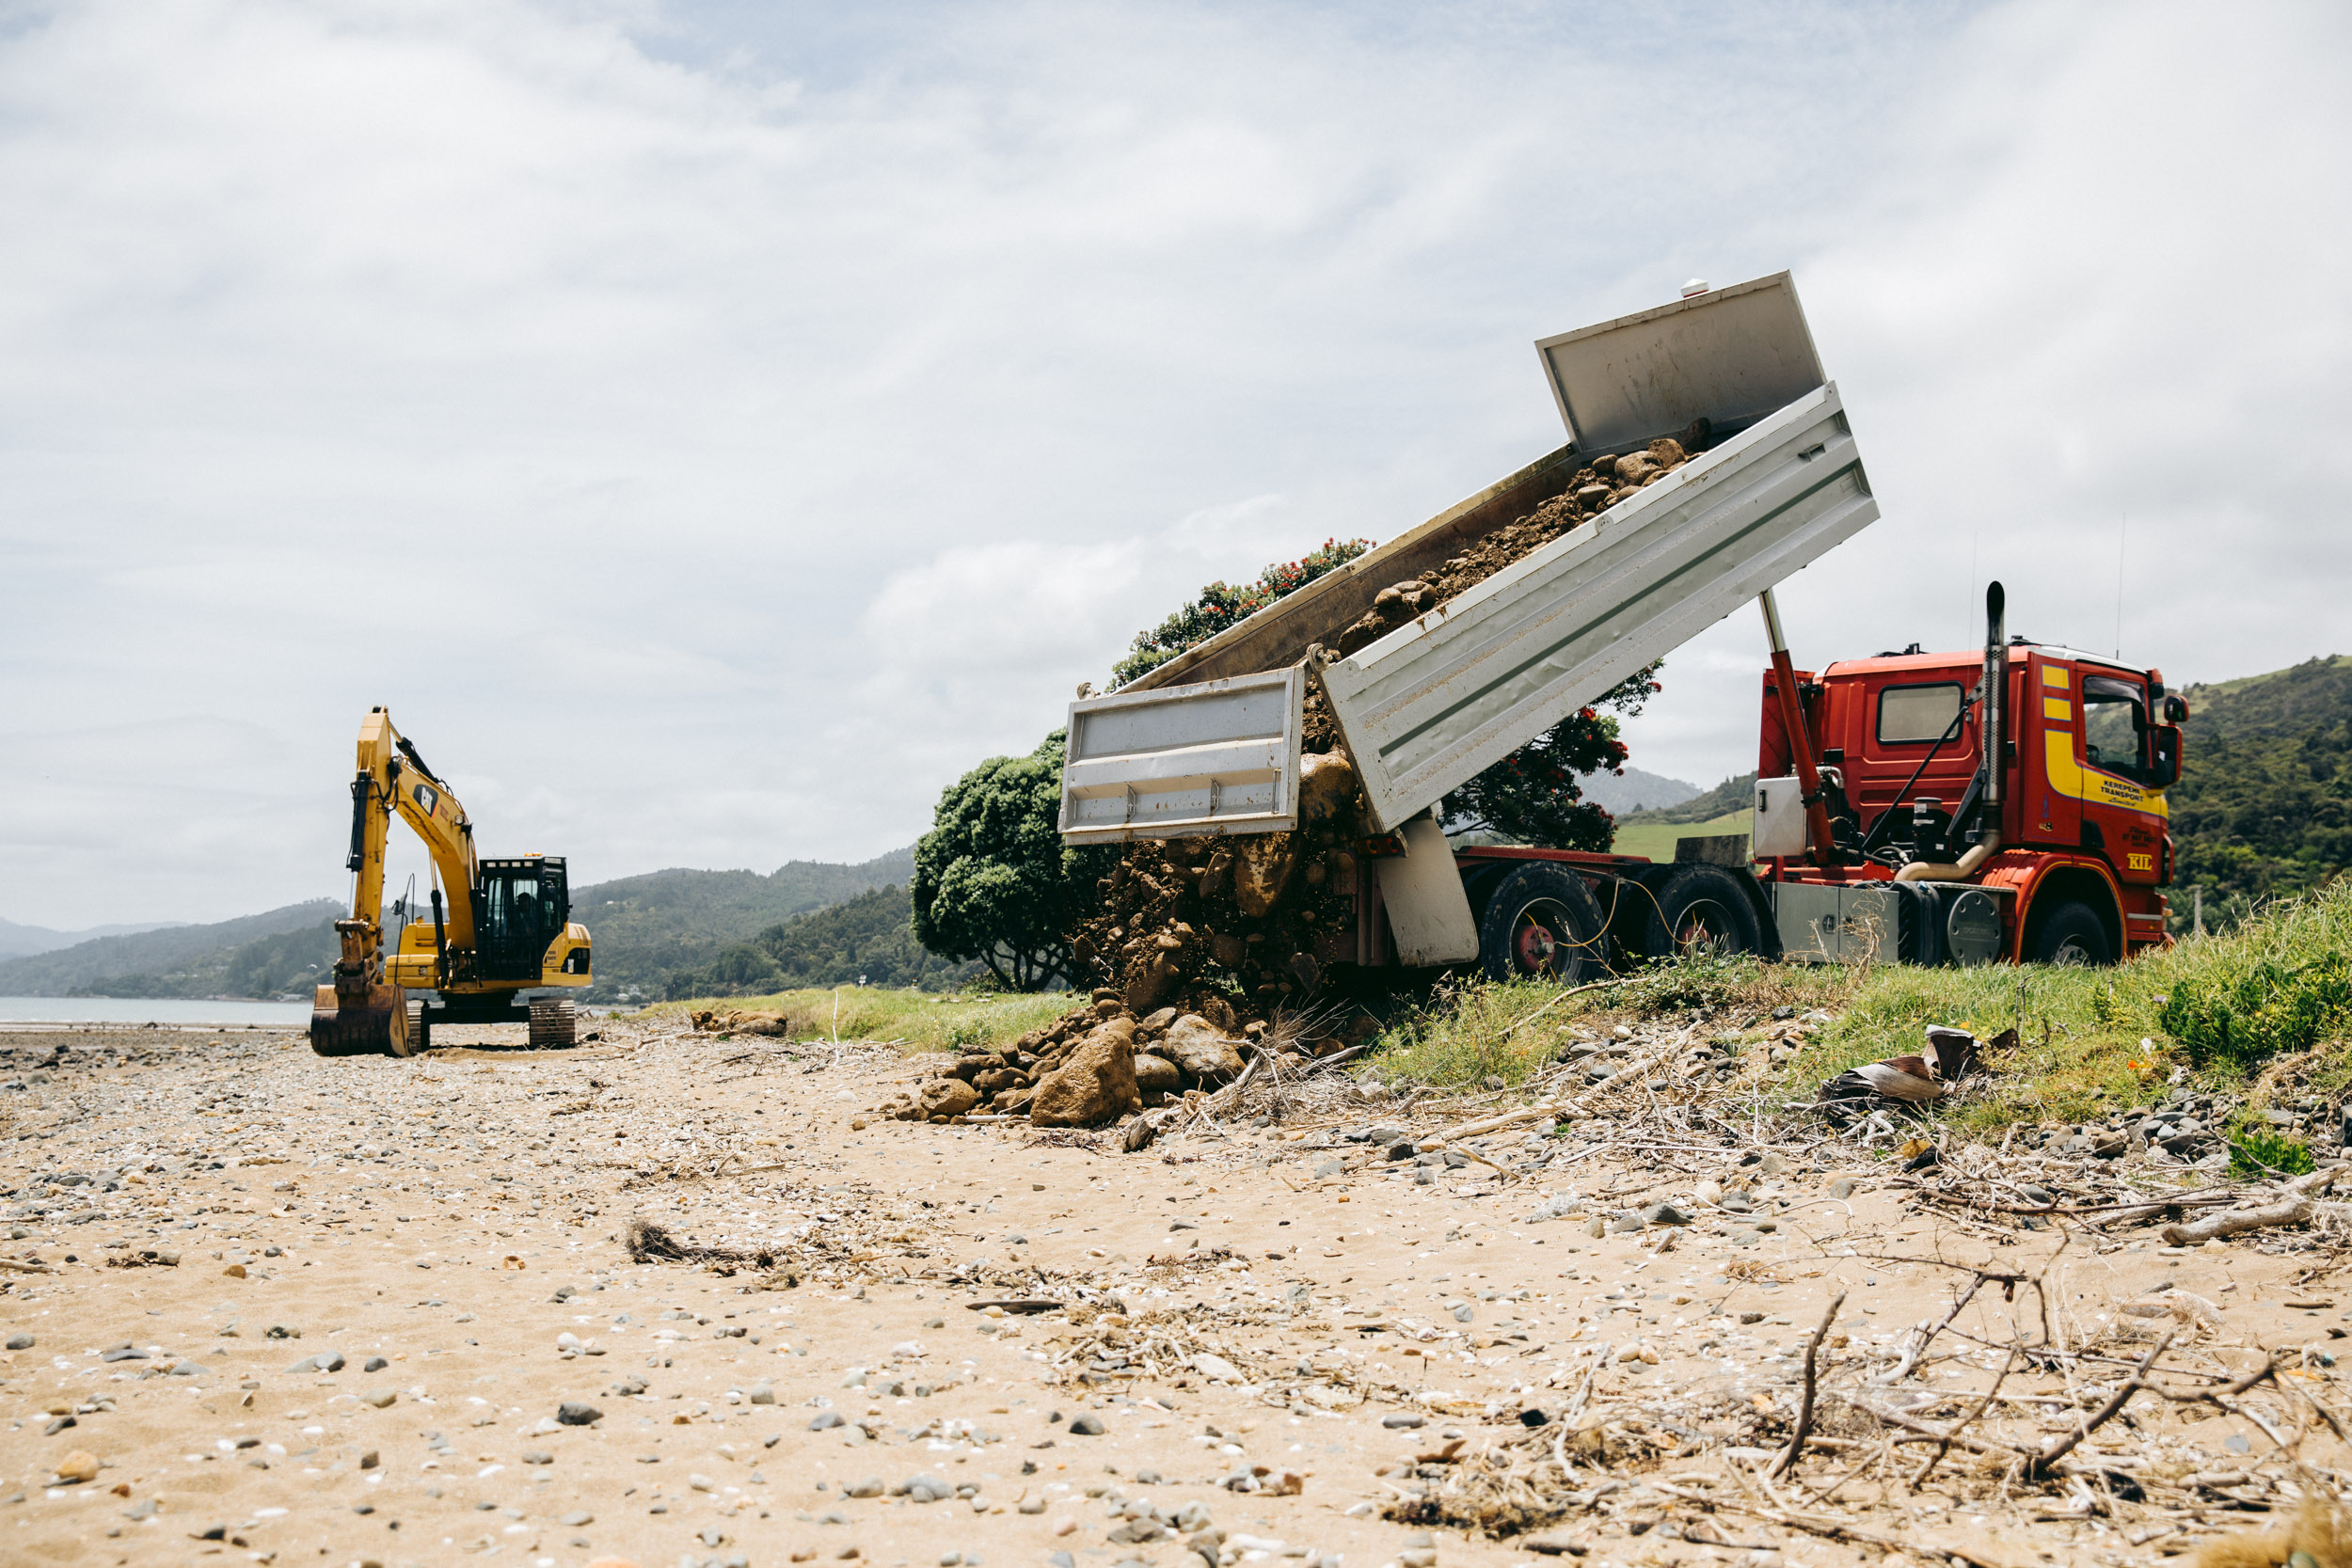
(2092, 744)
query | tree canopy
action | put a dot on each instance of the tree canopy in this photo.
(1532, 796)
(993, 879)
(1223, 604)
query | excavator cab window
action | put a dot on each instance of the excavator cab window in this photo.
(525, 904)
(2115, 722)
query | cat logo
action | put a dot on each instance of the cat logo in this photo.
(426, 797)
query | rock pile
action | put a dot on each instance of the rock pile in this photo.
(1090, 1066)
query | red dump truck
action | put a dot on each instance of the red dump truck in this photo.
(1931, 808)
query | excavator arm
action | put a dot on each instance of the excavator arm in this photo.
(361, 1012)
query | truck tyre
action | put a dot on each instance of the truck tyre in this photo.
(1543, 923)
(2073, 934)
(1702, 910)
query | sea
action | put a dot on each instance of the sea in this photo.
(134, 1011)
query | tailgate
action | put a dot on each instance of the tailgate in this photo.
(1217, 757)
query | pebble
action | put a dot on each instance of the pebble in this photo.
(572, 1412)
(825, 1421)
(20, 1341)
(870, 1488)
(380, 1398)
(1085, 1426)
(80, 1464)
(1399, 1420)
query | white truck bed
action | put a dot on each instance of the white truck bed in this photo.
(1208, 743)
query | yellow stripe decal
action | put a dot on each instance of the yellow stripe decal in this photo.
(2058, 676)
(2070, 779)
(2058, 708)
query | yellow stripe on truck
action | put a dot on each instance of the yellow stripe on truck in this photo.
(2058, 708)
(2070, 778)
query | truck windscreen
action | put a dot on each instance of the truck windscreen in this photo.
(2114, 719)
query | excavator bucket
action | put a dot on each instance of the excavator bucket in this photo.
(374, 1023)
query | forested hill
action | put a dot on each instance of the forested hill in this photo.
(643, 929)
(867, 940)
(175, 949)
(1736, 793)
(2265, 802)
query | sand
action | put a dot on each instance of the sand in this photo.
(458, 1217)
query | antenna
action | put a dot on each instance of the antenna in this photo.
(2122, 533)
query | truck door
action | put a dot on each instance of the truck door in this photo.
(2119, 809)
(2047, 732)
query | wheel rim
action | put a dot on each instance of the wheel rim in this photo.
(2076, 953)
(1704, 929)
(1542, 940)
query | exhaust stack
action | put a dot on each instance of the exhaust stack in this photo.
(1993, 732)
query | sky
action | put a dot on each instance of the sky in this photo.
(711, 428)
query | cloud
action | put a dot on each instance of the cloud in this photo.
(713, 428)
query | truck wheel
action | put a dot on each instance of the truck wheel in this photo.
(1543, 923)
(1703, 911)
(2073, 934)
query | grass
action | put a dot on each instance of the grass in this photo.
(915, 1021)
(2091, 1042)
(2095, 1041)
(1481, 1029)
(1656, 840)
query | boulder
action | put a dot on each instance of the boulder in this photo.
(760, 1024)
(1228, 949)
(1202, 1050)
(1149, 981)
(943, 1098)
(1156, 1075)
(1327, 785)
(1098, 1082)
(1262, 867)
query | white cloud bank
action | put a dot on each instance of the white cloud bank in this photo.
(710, 430)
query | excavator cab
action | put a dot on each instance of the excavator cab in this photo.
(521, 908)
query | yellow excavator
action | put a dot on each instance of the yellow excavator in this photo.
(506, 927)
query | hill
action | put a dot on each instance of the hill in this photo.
(158, 954)
(1633, 790)
(1735, 794)
(2264, 807)
(866, 939)
(645, 927)
(20, 940)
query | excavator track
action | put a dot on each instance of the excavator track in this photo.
(553, 1025)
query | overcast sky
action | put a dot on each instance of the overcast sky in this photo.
(713, 428)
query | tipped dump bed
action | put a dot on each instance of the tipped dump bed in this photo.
(1430, 704)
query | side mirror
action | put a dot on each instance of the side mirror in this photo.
(2164, 756)
(2176, 710)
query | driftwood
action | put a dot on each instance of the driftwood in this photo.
(2231, 1222)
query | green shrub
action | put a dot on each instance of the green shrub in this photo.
(2261, 1151)
(2261, 1011)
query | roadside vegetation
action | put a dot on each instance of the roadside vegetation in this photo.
(2091, 1043)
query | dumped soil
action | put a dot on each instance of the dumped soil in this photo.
(1595, 488)
(1203, 946)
